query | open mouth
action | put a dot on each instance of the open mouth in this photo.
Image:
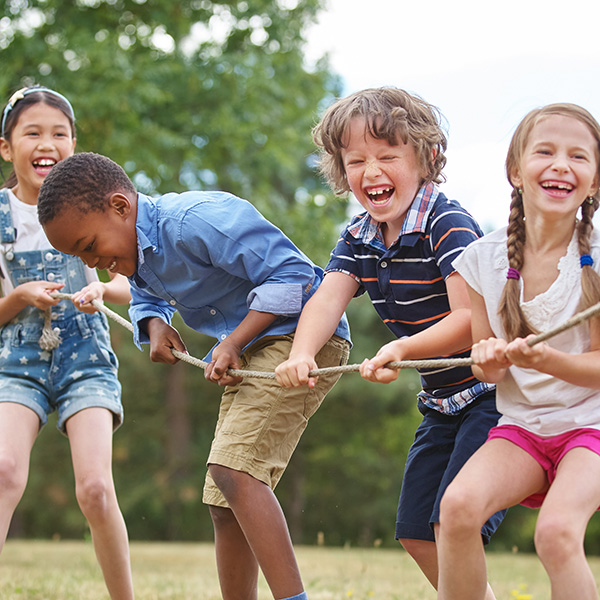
(561, 187)
(112, 266)
(380, 196)
(43, 165)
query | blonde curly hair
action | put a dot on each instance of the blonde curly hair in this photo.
(391, 114)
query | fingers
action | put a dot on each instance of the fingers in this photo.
(293, 373)
(373, 370)
(217, 373)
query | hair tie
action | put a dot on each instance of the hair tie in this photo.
(586, 259)
(513, 274)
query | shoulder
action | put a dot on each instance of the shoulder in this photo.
(449, 212)
(490, 248)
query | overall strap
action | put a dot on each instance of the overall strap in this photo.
(8, 234)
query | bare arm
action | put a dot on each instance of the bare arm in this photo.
(447, 336)
(488, 354)
(115, 291)
(32, 293)
(578, 369)
(318, 321)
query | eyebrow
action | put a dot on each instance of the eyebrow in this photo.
(77, 243)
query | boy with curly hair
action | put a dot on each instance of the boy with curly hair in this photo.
(386, 146)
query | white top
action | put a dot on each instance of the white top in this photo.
(30, 236)
(535, 401)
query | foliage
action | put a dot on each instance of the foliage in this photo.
(203, 94)
(185, 95)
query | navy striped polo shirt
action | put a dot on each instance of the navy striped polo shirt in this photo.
(406, 282)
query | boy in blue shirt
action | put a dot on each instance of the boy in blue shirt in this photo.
(233, 275)
(387, 147)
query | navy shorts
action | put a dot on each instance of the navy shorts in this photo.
(442, 445)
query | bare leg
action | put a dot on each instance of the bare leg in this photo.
(90, 436)
(573, 498)
(498, 475)
(19, 427)
(424, 554)
(236, 563)
(263, 524)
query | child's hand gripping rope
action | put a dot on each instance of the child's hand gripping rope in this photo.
(404, 364)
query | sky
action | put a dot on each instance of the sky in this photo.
(483, 64)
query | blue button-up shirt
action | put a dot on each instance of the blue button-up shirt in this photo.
(212, 257)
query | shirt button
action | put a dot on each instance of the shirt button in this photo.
(172, 302)
(49, 256)
(223, 336)
(213, 311)
(383, 265)
(51, 277)
(9, 255)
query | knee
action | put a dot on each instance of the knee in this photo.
(459, 512)
(555, 540)
(222, 517)
(419, 550)
(93, 496)
(12, 479)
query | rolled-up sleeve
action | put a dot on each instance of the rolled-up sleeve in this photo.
(278, 298)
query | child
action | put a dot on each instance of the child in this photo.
(529, 277)
(78, 377)
(386, 147)
(232, 275)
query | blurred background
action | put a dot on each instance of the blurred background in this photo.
(200, 94)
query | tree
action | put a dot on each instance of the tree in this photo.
(185, 95)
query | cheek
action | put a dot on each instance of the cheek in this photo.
(354, 182)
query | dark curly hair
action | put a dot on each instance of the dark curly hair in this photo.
(84, 181)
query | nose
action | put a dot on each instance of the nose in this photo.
(90, 261)
(560, 163)
(45, 142)
(372, 169)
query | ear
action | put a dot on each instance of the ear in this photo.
(5, 150)
(516, 180)
(594, 187)
(120, 204)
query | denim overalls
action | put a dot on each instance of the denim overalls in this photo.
(82, 371)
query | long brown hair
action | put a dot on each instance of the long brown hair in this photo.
(514, 321)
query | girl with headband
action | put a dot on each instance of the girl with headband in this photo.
(74, 370)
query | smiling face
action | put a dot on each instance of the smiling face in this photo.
(558, 169)
(384, 178)
(41, 137)
(103, 240)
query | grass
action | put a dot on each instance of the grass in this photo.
(67, 570)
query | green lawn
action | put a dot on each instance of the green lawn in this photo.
(65, 570)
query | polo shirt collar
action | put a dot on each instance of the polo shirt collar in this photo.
(368, 230)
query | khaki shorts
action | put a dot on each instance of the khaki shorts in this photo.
(260, 423)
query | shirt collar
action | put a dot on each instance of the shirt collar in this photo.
(146, 226)
(367, 229)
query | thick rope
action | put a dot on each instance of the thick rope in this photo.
(402, 364)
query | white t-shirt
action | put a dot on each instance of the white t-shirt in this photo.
(535, 401)
(30, 236)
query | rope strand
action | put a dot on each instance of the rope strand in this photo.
(403, 364)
